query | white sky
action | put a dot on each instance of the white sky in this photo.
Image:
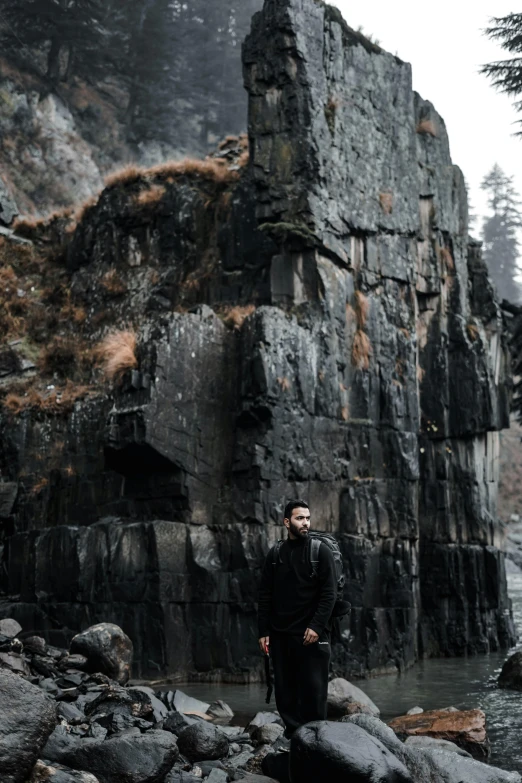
(445, 45)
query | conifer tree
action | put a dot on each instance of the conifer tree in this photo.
(501, 246)
(506, 75)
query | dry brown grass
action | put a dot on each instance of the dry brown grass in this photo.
(113, 284)
(213, 169)
(235, 316)
(117, 354)
(427, 127)
(473, 331)
(40, 485)
(362, 309)
(83, 210)
(361, 350)
(124, 176)
(65, 358)
(32, 227)
(150, 197)
(284, 383)
(386, 202)
(54, 402)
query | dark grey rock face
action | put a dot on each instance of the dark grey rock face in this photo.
(107, 649)
(371, 376)
(27, 718)
(203, 742)
(342, 751)
(132, 758)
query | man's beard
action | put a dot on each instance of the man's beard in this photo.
(298, 531)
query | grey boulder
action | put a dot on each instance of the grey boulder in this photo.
(202, 742)
(129, 757)
(266, 734)
(431, 743)
(56, 773)
(27, 718)
(342, 693)
(511, 675)
(337, 752)
(108, 650)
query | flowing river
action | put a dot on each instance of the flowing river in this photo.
(465, 683)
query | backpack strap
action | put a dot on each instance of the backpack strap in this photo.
(275, 553)
(315, 545)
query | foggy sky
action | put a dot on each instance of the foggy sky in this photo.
(445, 45)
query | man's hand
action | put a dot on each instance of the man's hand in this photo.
(310, 636)
(264, 644)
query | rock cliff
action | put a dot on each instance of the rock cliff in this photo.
(316, 323)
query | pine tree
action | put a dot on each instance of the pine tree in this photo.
(501, 246)
(73, 32)
(506, 75)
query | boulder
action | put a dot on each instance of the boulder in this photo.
(430, 743)
(202, 741)
(184, 703)
(62, 743)
(266, 734)
(337, 752)
(129, 757)
(262, 718)
(27, 718)
(433, 766)
(342, 693)
(220, 710)
(56, 773)
(10, 628)
(415, 711)
(511, 675)
(466, 728)
(277, 766)
(107, 649)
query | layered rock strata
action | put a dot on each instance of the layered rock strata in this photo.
(371, 377)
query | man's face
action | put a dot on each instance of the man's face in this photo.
(299, 523)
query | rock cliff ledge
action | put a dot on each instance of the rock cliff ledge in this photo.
(366, 371)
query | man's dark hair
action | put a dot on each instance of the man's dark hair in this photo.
(294, 504)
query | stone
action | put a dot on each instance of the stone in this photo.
(342, 693)
(187, 704)
(56, 773)
(35, 645)
(430, 743)
(130, 757)
(107, 649)
(342, 751)
(511, 675)
(177, 721)
(466, 728)
(61, 743)
(70, 712)
(263, 719)
(27, 718)
(202, 742)
(268, 733)
(217, 776)
(10, 628)
(277, 766)
(220, 710)
(8, 208)
(415, 711)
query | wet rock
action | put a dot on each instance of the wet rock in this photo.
(10, 628)
(433, 766)
(61, 743)
(239, 760)
(107, 649)
(277, 766)
(14, 662)
(56, 773)
(27, 718)
(430, 743)
(176, 722)
(70, 712)
(342, 751)
(217, 776)
(220, 710)
(466, 728)
(415, 711)
(268, 733)
(130, 757)
(36, 645)
(262, 719)
(188, 704)
(342, 694)
(202, 742)
(511, 675)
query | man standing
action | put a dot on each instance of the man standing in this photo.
(294, 610)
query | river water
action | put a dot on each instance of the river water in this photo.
(465, 683)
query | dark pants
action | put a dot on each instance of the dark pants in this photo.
(300, 678)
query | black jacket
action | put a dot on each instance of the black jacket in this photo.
(290, 598)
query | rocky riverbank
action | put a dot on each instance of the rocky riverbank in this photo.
(76, 721)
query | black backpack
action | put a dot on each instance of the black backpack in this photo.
(316, 538)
